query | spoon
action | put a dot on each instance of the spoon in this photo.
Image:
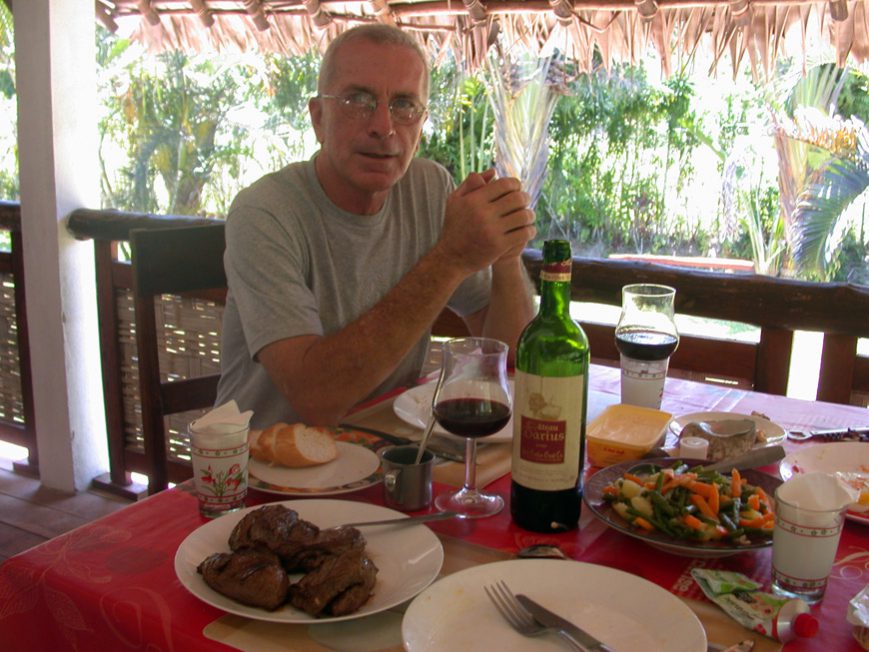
(431, 419)
(749, 460)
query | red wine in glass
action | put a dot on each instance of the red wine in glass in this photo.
(472, 417)
(644, 344)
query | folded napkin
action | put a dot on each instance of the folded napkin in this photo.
(493, 461)
(226, 414)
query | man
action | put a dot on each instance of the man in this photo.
(338, 266)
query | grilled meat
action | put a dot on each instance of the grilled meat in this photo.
(340, 585)
(301, 545)
(272, 541)
(253, 577)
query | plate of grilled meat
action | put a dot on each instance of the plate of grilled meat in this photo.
(289, 562)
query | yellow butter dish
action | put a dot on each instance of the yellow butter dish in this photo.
(624, 432)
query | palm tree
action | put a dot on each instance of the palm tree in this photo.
(822, 171)
(835, 199)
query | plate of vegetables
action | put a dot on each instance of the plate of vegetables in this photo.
(681, 509)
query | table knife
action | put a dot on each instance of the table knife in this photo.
(550, 619)
(437, 445)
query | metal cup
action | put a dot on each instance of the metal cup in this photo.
(406, 484)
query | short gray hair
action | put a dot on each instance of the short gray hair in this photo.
(378, 33)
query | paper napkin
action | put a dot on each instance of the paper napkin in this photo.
(226, 414)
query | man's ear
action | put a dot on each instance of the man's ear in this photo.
(315, 108)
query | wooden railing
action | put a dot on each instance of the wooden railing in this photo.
(776, 306)
(16, 390)
(185, 346)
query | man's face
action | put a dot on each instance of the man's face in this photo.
(361, 158)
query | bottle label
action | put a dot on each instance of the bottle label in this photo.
(547, 431)
(556, 272)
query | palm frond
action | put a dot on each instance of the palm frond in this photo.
(838, 189)
(523, 92)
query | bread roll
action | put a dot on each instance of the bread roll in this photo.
(294, 445)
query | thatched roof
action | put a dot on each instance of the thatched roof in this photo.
(756, 31)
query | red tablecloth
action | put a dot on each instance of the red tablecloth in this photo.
(111, 585)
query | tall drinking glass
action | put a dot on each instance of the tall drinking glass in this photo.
(646, 337)
(473, 401)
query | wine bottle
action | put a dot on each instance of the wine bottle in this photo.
(551, 392)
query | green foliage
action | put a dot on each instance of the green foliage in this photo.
(621, 152)
(824, 167)
(8, 101)
(292, 81)
(458, 133)
(170, 117)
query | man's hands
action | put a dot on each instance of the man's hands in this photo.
(487, 220)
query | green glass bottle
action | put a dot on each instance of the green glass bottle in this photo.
(549, 408)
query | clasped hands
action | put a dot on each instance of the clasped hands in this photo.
(487, 221)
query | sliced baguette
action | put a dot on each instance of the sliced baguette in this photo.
(293, 445)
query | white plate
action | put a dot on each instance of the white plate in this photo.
(408, 558)
(354, 468)
(622, 610)
(414, 407)
(844, 456)
(774, 433)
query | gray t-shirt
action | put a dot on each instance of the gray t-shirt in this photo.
(297, 264)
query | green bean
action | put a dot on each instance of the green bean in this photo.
(662, 526)
(727, 522)
(662, 504)
(735, 509)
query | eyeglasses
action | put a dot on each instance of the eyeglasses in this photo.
(403, 110)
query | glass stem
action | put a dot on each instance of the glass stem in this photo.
(470, 464)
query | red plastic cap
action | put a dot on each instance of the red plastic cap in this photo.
(805, 625)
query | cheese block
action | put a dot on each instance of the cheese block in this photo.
(293, 445)
(624, 432)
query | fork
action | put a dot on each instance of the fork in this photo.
(519, 617)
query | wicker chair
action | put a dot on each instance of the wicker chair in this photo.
(170, 261)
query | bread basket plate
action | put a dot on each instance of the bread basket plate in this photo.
(355, 467)
(408, 558)
(593, 495)
(772, 432)
(414, 408)
(849, 458)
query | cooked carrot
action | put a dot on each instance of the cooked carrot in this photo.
(610, 490)
(759, 522)
(702, 488)
(702, 505)
(754, 502)
(764, 498)
(692, 522)
(715, 499)
(735, 483)
(643, 523)
(634, 478)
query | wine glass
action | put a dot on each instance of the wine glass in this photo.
(646, 337)
(473, 401)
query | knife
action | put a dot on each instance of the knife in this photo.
(545, 617)
(440, 446)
